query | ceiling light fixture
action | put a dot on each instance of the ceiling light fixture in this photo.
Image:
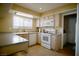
(40, 8)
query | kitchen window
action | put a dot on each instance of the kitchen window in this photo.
(22, 21)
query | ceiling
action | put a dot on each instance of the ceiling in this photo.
(37, 6)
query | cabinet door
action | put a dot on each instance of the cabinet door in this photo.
(39, 38)
(32, 39)
(56, 42)
(57, 20)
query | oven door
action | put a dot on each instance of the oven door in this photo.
(46, 38)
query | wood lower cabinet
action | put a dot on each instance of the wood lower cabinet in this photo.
(39, 38)
(56, 42)
(14, 48)
(32, 39)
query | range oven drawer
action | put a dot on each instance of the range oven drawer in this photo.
(46, 45)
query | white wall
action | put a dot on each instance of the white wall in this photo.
(4, 9)
(77, 32)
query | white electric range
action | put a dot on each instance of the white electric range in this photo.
(47, 39)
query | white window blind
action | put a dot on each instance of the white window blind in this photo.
(22, 22)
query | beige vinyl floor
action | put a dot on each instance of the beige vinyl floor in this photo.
(38, 50)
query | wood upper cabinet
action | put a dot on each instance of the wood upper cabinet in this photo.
(57, 20)
(50, 21)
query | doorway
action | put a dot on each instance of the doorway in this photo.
(69, 25)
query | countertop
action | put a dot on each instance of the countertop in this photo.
(25, 32)
(10, 38)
